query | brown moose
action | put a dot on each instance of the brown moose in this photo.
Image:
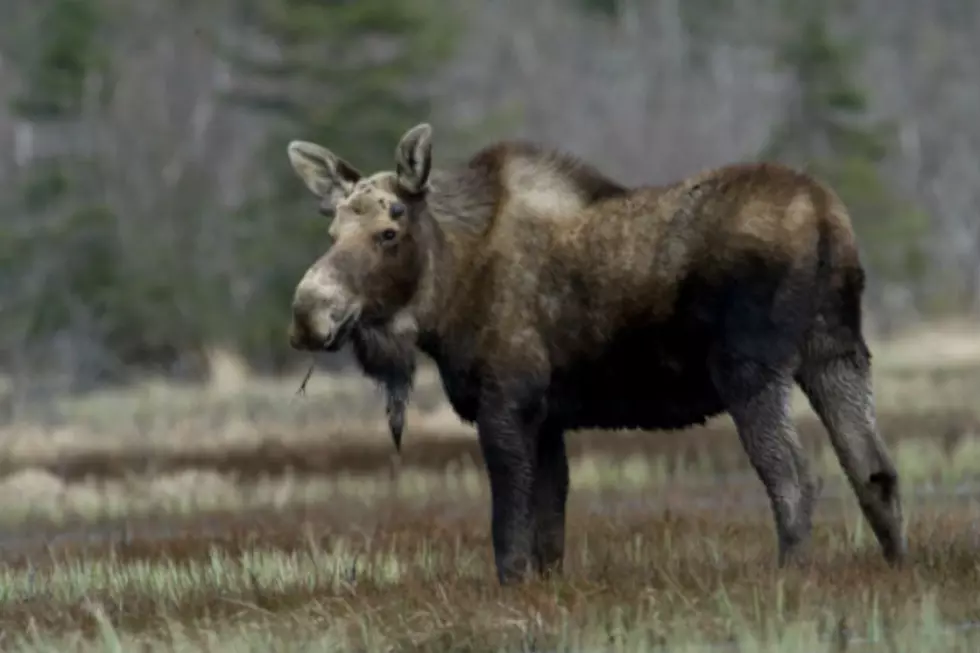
(553, 298)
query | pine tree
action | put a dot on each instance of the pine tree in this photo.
(61, 52)
(76, 278)
(58, 243)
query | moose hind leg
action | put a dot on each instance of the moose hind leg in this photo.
(549, 499)
(758, 401)
(840, 392)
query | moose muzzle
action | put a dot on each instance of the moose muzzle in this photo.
(322, 319)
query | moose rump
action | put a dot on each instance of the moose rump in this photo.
(552, 298)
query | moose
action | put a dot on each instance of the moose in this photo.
(553, 298)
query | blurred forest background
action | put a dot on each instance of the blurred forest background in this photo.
(149, 215)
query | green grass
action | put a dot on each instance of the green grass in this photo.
(922, 630)
(629, 584)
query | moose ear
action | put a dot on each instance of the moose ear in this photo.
(323, 172)
(413, 158)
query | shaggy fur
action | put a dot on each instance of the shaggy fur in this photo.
(553, 298)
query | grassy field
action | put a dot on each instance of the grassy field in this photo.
(239, 518)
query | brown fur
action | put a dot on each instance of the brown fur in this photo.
(553, 298)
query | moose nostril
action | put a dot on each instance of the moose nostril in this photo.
(304, 333)
(298, 332)
(302, 311)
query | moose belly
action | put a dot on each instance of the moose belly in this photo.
(648, 380)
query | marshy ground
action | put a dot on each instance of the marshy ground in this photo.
(246, 520)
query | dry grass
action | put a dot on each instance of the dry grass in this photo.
(239, 519)
(661, 549)
(419, 577)
(165, 417)
(935, 369)
(603, 465)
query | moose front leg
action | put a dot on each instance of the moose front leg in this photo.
(507, 429)
(549, 497)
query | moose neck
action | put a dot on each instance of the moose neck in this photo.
(460, 209)
(438, 277)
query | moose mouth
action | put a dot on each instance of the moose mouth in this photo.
(302, 338)
(340, 335)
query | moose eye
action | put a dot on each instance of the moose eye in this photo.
(388, 235)
(396, 210)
